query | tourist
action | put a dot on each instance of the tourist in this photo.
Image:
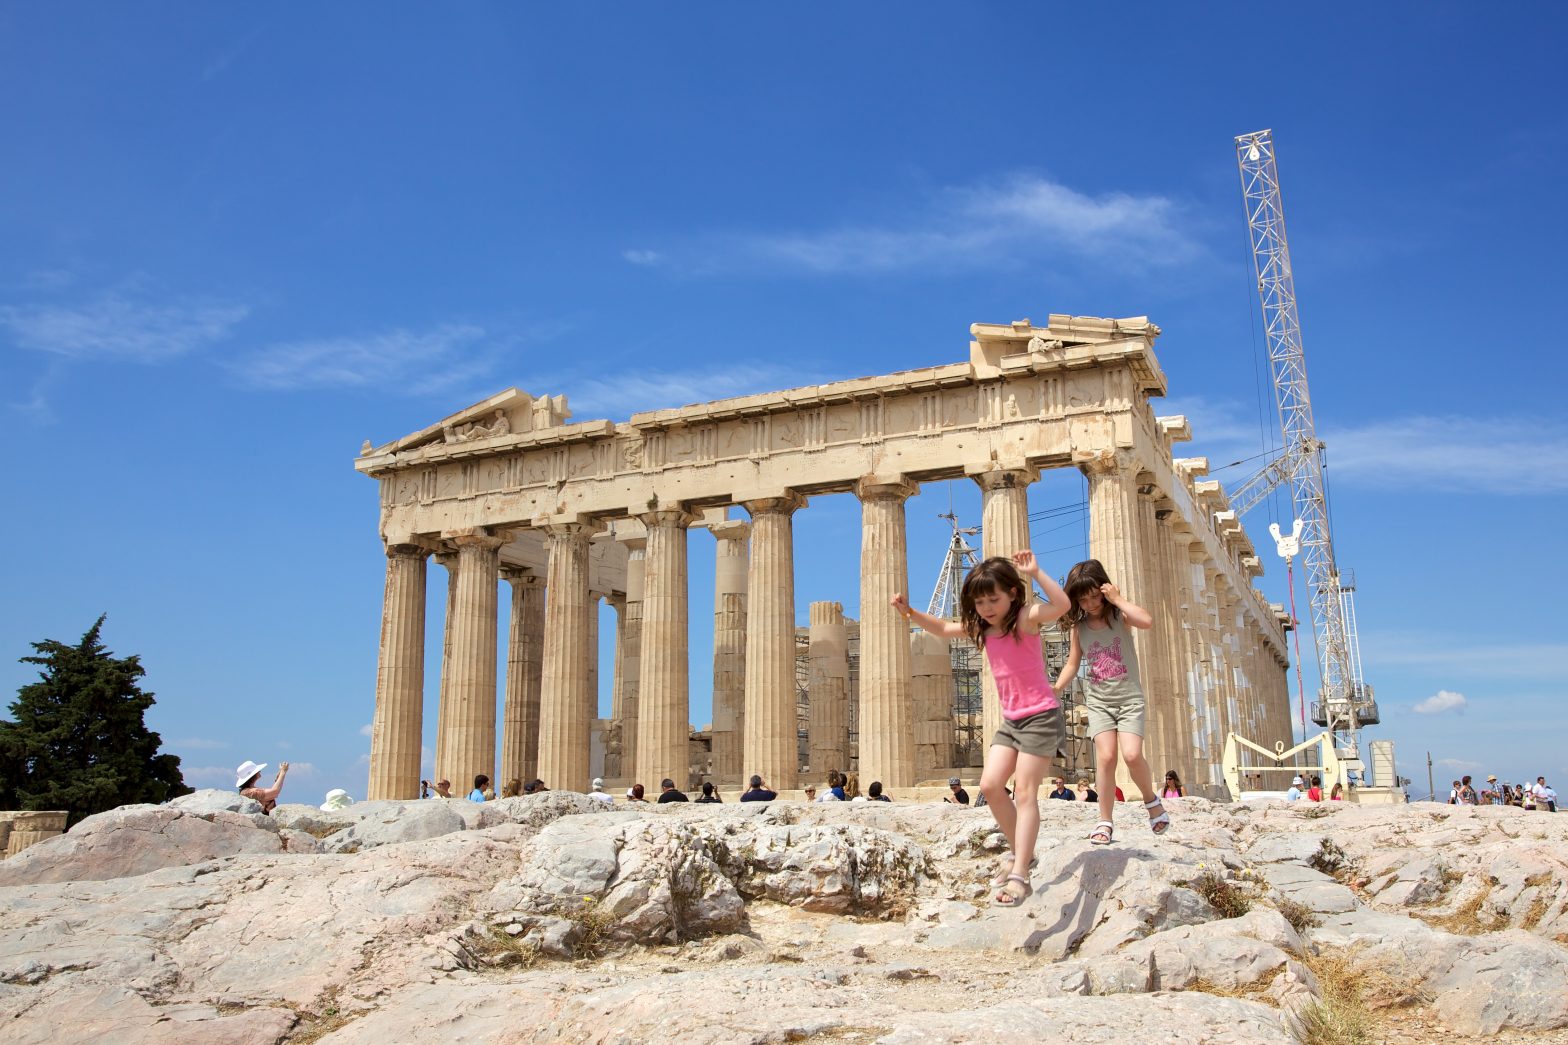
(481, 782)
(245, 778)
(1527, 797)
(598, 793)
(424, 789)
(1295, 792)
(1089, 793)
(959, 796)
(998, 613)
(757, 792)
(852, 787)
(830, 794)
(534, 787)
(635, 794)
(512, 788)
(1172, 787)
(337, 799)
(441, 789)
(836, 786)
(875, 791)
(710, 794)
(669, 793)
(1062, 791)
(1338, 794)
(1453, 794)
(1101, 621)
(1545, 796)
(1315, 792)
(1467, 795)
(1489, 794)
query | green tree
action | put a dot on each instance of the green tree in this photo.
(79, 741)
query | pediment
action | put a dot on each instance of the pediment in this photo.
(509, 413)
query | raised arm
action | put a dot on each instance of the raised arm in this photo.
(1056, 602)
(1136, 615)
(1070, 665)
(947, 629)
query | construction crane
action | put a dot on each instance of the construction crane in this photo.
(1345, 702)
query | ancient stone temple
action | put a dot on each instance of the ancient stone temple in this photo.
(569, 513)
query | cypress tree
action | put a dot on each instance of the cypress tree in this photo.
(79, 741)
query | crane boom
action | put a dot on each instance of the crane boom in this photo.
(1345, 702)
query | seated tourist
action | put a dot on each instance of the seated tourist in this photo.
(246, 777)
(669, 793)
(758, 793)
(709, 794)
(874, 792)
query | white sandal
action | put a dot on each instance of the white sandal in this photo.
(1158, 824)
(1104, 828)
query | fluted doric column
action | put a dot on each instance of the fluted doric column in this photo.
(443, 766)
(396, 730)
(770, 745)
(828, 717)
(612, 751)
(630, 645)
(1004, 529)
(1161, 744)
(471, 720)
(931, 667)
(566, 711)
(664, 711)
(1173, 554)
(729, 648)
(524, 665)
(886, 715)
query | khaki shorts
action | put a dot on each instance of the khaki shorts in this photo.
(1124, 718)
(1040, 735)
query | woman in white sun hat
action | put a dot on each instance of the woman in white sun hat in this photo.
(246, 777)
(337, 799)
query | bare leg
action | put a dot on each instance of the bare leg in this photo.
(1026, 808)
(999, 763)
(1105, 772)
(1137, 766)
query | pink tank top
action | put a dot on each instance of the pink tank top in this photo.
(1018, 666)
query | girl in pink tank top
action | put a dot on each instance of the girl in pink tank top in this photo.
(998, 613)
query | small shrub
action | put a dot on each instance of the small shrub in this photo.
(1229, 899)
(1299, 915)
(595, 923)
(1312, 812)
(501, 949)
(1330, 859)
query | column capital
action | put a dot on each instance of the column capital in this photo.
(521, 576)
(877, 488)
(786, 503)
(731, 530)
(407, 551)
(665, 517)
(478, 537)
(992, 476)
(1107, 462)
(570, 528)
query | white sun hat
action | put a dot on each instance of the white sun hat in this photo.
(1298, 782)
(337, 799)
(247, 770)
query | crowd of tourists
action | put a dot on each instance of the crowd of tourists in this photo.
(1537, 796)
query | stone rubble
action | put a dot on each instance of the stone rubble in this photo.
(552, 918)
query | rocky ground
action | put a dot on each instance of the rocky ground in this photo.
(549, 918)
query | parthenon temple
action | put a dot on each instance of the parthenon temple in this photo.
(569, 513)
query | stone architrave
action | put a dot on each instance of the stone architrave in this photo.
(1004, 529)
(566, 711)
(471, 720)
(524, 665)
(886, 715)
(443, 765)
(931, 664)
(396, 730)
(770, 747)
(630, 644)
(731, 566)
(664, 713)
(828, 681)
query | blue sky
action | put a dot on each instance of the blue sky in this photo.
(237, 243)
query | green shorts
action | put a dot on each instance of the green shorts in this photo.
(1124, 717)
(1040, 735)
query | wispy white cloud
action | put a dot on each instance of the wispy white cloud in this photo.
(366, 729)
(116, 327)
(618, 397)
(1438, 653)
(408, 361)
(1458, 764)
(197, 744)
(1439, 702)
(1453, 454)
(208, 776)
(972, 226)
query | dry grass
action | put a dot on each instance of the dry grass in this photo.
(1351, 994)
(595, 923)
(501, 949)
(1253, 991)
(1299, 915)
(1230, 899)
(1467, 919)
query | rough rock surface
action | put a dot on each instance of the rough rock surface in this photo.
(551, 918)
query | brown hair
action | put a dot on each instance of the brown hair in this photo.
(1088, 576)
(993, 575)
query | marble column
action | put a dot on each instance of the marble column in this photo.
(886, 716)
(396, 730)
(729, 648)
(931, 669)
(1174, 555)
(615, 739)
(829, 689)
(594, 598)
(770, 745)
(1004, 529)
(1160, 742)
(566, 710)
(471, 720)
(524, 663)
(630, 689)
(443, 765)
(664, 711)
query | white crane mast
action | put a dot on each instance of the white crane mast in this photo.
(1345, 702)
